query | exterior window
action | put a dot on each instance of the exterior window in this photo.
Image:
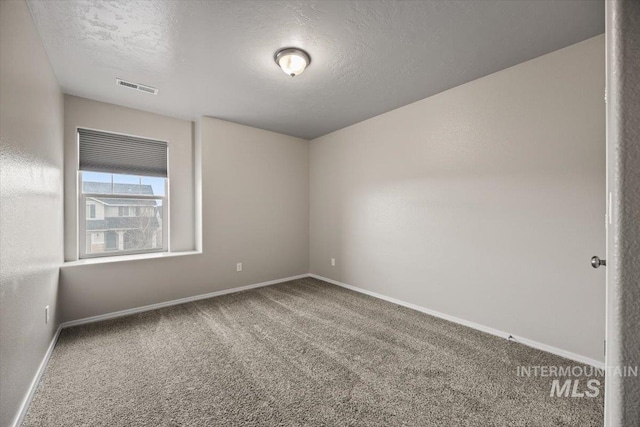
(111, 241)
(121, 213)
(125, 214)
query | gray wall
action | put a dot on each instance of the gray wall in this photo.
(622, 394)
(484, 202)
(30, 203)
(82, 112)
(255, 199)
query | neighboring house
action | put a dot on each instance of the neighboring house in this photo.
(121, 224)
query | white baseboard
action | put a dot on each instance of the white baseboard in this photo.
(36, 380)
(150, 307)
(530, 343)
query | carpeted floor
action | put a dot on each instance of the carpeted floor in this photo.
(298, 353)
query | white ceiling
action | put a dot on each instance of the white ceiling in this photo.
(215, 58)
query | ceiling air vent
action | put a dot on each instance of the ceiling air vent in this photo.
(136, 86)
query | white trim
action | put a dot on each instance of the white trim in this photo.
(530, 343)
(196, 129)
(150, 307)
(125, 258)
(36, 380)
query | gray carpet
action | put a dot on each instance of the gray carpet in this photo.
(297, 353)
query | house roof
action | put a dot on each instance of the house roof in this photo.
(125, 202)
(105, 188)
(120, 223)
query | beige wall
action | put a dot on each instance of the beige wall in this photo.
(30, 204)
(484, 202)
(82, 112)
(255, 200)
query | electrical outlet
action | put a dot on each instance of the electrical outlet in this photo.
(46, 314)
(239, 266)
(333, 262)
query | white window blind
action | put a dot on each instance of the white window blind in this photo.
(129, 155)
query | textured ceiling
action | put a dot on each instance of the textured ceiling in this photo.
(215, 58)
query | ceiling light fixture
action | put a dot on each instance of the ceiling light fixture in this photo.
(292, 60)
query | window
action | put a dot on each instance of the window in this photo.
(123, 201)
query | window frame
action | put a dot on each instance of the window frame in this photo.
(81, 208)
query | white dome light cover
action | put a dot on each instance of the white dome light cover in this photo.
(292, 61)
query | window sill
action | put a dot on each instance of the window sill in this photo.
(125, 258)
